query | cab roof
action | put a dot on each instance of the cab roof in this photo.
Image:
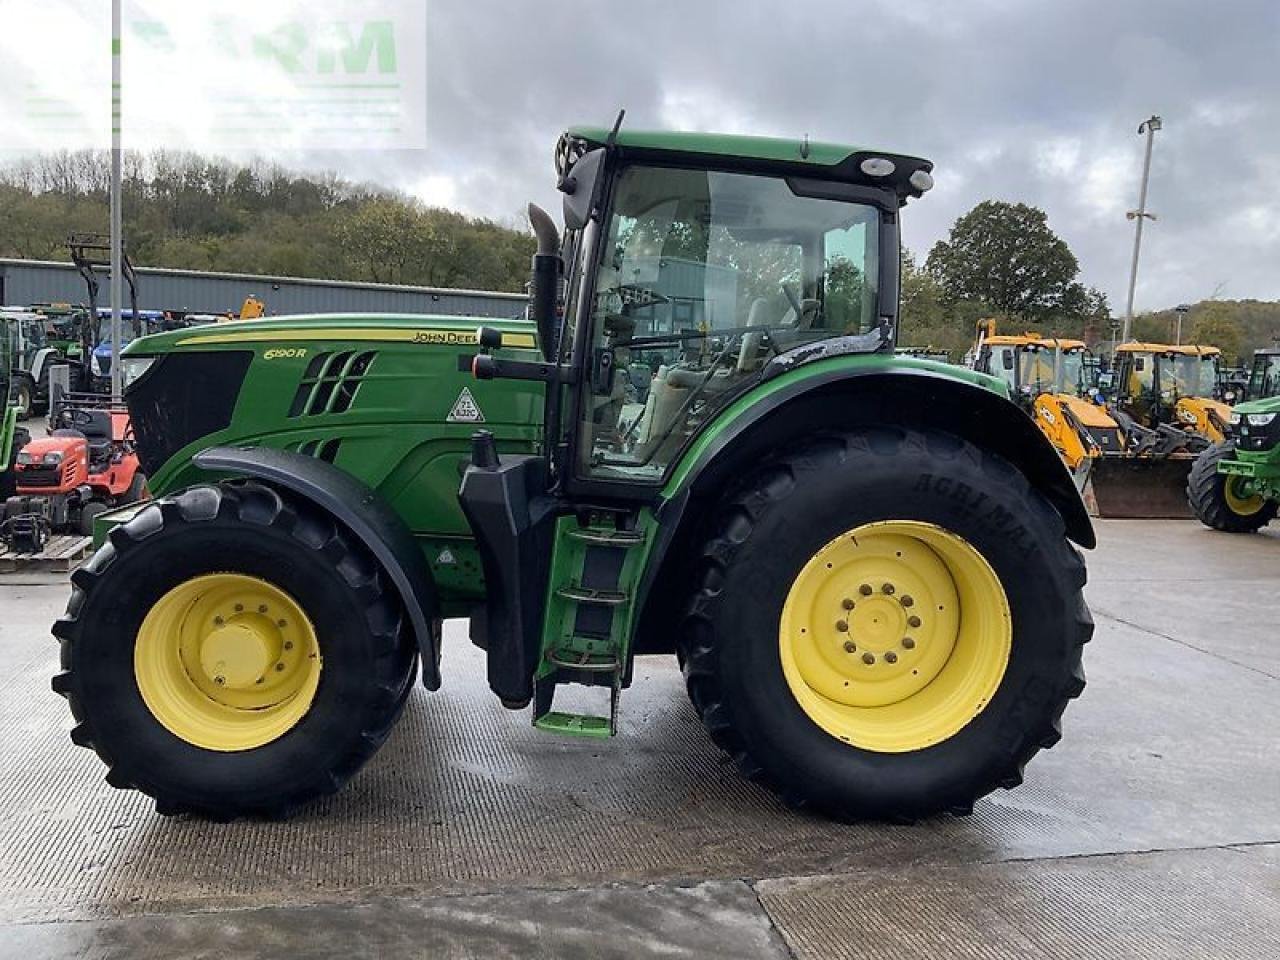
(824, 159)
(1032, 340)
(1186, 349)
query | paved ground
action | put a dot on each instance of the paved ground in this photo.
(1152, 830)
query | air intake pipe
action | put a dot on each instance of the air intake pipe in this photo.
(544, 286)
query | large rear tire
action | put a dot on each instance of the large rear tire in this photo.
(231, 652)
(887, 624)
(1214, 499)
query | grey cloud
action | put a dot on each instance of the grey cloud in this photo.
(1017, 99)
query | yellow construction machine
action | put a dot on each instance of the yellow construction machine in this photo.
(1126, 461)
(1176, 386)
(1049, 378)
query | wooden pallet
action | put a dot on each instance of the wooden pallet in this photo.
(61, 554)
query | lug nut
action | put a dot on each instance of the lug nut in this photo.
(906, 600)
(288, 644)
(281, 624)
(218, 621)
(913, 621)
(908, 643)
(842, 626)
(891, 657)
(219, 680)
(849, 647)
(847, 603)
(239, 608)
(868, 658)
(262, 608)
(888, 589)
(279, 667)
(865, 589)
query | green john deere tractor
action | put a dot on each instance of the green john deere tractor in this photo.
(699, 442)
(1235, 485)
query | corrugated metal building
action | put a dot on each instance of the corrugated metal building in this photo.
(43, 281)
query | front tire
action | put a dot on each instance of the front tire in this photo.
(806, 574)
(1213, 498)
(161, 634)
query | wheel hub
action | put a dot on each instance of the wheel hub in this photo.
(872, 637)
(238, 654)
(227, 661)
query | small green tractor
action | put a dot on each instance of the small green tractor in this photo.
(1235, 485)
(698, 442)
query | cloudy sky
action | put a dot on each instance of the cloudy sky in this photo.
(1026, 100)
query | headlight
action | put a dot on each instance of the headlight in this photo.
(131, 368)
(1234, 419)
(1259, 419)
(1187, 416)
(53, 458)
(27, 458)
(95, 365)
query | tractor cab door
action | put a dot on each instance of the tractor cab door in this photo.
(700, 278)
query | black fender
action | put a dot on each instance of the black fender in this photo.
(897, 394)
(365, 514)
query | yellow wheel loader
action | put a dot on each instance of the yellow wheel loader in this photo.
(1049, 376)
(1158, 384)
(1163, 398)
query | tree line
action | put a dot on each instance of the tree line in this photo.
(1003, 260)
(182, 210)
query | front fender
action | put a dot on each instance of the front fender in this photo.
(362, 511)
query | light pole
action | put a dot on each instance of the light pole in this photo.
(1149, 127)
(1181, 310)
(116, 240)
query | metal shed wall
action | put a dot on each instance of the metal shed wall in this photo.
(40, 281)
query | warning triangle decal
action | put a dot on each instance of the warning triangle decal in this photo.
(465, 409)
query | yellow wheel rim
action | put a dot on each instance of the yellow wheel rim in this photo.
(1244, 506)
(227, 662)
(895, 635)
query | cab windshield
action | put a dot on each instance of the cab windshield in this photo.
(1190, 376)
(703, 277)
(1264, 381)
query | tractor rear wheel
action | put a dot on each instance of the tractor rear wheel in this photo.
(887, 624)
(232, 652)
(1216, 499)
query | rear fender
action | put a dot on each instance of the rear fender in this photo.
(840, 395)
(365, 514)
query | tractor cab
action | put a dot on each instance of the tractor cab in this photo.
(1264, 377)
(1159, 384)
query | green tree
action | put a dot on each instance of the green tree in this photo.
(1005, 255)
(1214, 326)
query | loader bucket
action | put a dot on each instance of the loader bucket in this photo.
(1139, 487)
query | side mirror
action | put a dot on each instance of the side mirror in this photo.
(581, 188)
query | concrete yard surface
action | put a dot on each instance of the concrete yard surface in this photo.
(1151, 830)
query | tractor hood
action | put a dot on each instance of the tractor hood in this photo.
(425, 331)
(1265, 405)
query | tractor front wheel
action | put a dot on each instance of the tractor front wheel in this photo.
(1218, 501)
(231, 652)
(887, 624)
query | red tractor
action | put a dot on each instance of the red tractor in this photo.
(86, 466)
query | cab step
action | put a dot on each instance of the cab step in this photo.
(575, 725)
(581, 594)
(607, 538)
